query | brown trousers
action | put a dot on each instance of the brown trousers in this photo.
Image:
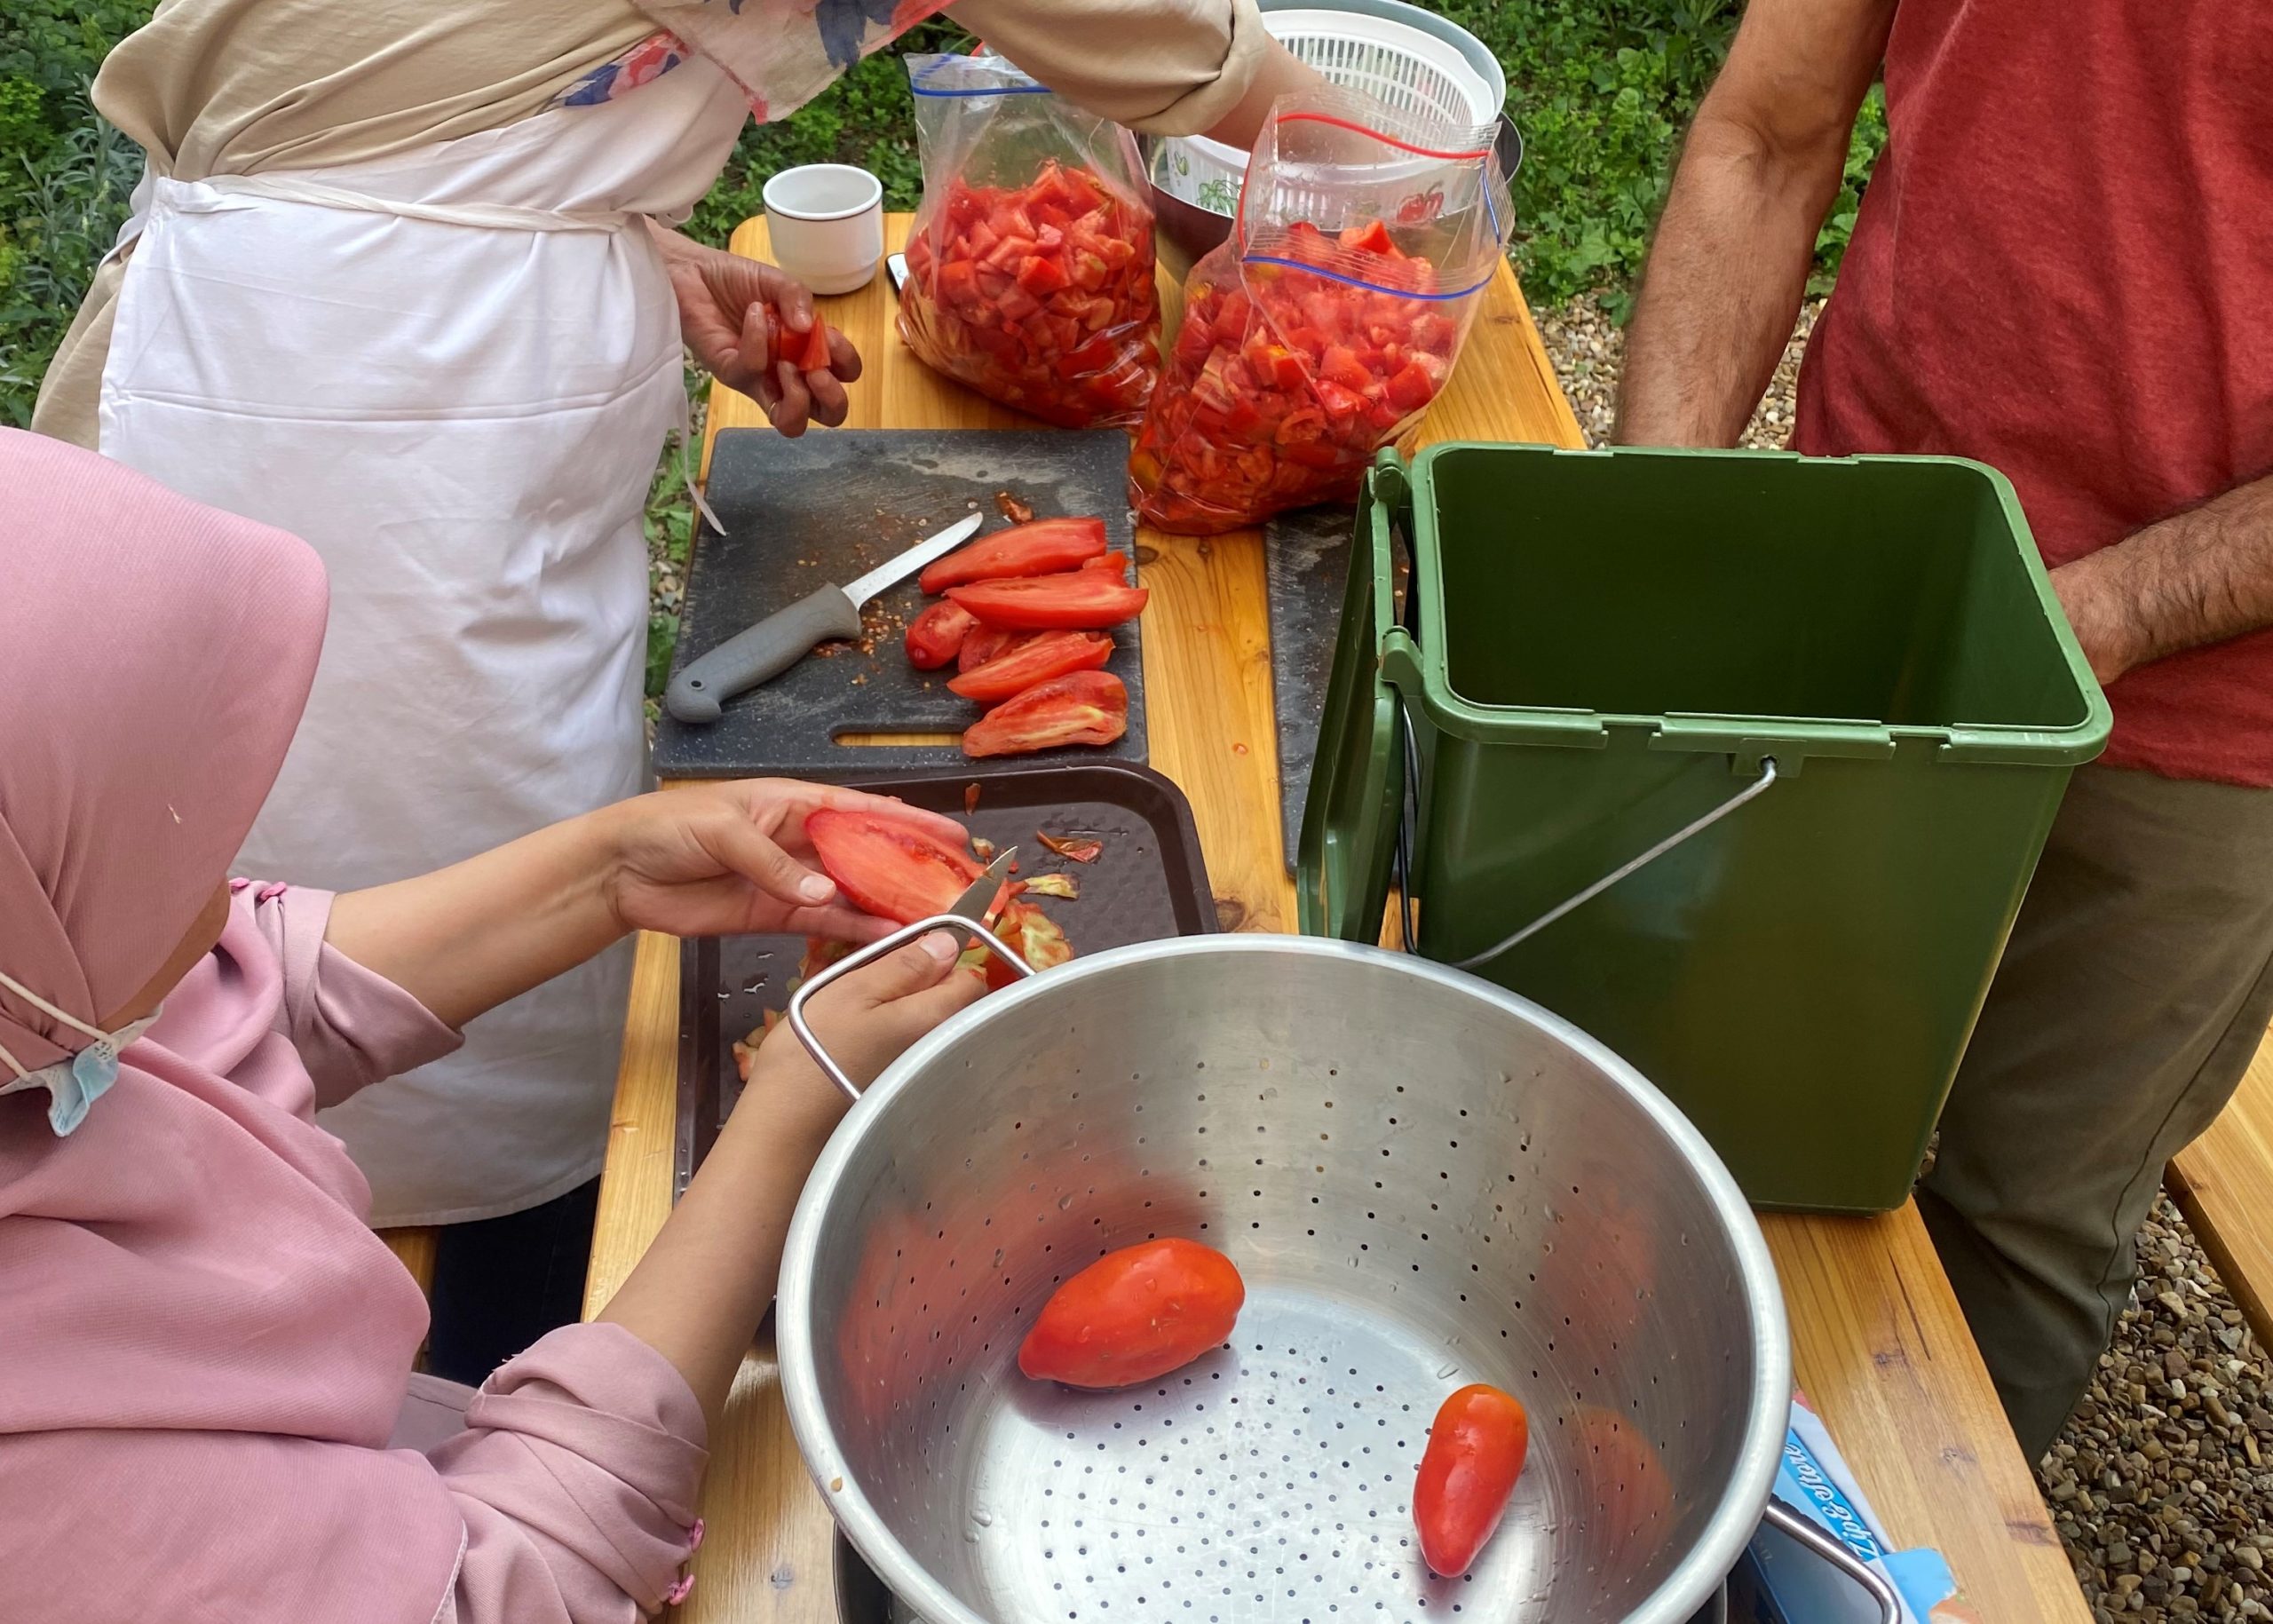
(2137, 986)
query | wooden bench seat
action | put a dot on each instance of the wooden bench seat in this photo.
(2223, 1183)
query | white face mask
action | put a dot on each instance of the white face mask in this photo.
(75, 1083)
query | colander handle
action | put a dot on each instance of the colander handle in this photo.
(869, 954)
(1786, 1521)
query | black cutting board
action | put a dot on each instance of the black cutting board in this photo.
(826, 508)
(1306, 555)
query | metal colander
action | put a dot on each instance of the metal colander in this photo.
(1425, 1180)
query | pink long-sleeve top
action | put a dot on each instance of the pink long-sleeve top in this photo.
(205, 1353)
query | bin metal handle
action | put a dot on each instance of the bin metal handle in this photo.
(1751, 791)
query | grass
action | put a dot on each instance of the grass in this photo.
(1601, 89)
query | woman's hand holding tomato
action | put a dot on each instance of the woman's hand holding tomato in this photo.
(739, 858)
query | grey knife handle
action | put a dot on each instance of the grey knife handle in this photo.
(764, 651)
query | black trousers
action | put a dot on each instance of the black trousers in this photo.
(502, 1283)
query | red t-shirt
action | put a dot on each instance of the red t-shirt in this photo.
(2063, 267)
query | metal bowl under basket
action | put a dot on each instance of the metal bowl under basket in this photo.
(1425, 1180)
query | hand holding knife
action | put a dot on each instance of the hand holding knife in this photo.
(778, 641)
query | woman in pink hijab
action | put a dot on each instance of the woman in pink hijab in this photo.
(205, 1353)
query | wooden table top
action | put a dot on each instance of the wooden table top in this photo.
(1878, 1341)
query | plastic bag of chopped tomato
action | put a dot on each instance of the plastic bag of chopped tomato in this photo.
(1322, 327)
(1030, 264)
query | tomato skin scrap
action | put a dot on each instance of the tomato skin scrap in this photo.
(1475, 1454)
(1134, 1315)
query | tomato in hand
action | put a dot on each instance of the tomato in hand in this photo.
(891, 870)
(1082, 708)
(1051, 654)
(1283, 382)
(1134, 1315)
(1041, 296)
(813, 357)
(1043, 548)
(1476, 1452)
(1079, 601)
(936, 636)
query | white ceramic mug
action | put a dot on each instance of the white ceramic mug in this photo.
(826, 223)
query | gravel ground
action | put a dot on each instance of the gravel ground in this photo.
(2162, 1485)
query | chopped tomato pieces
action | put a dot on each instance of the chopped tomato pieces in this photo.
(1041, 547)
(1284, 382)
(1041, 296)
(1083, 708)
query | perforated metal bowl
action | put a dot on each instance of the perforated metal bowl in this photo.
(1425, 1180)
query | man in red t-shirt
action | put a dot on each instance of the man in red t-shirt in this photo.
(2063, 267)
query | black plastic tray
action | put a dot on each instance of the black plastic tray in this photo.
(1149, 884)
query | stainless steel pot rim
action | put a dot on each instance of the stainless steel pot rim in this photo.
(1693, 1581)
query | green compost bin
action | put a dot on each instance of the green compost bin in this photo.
(1600, 649)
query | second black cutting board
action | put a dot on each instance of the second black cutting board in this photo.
(829, 507)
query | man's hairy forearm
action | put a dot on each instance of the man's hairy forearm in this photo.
(1721, 289)
(2197, 577)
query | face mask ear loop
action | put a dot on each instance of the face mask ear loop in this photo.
(45, 1008)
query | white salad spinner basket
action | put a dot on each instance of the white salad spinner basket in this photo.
(1412, 68)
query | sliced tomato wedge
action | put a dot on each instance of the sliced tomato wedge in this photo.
(1080, 600)
(1042, 548)
(814, 356)
(985, 643)
(1114, 564)
(891, 870)
(1084, 708)
(936, 636)
(1053, 653)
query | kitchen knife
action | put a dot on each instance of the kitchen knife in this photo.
(778, 641)
(979, 896)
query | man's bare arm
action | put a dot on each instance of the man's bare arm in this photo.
(2197, 577)
(1756, 176)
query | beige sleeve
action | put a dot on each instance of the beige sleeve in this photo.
(1161, 66)
(71, 392)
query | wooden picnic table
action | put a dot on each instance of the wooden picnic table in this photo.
(1878, 1342)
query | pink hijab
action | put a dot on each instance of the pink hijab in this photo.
(204, 1351)
(184, 1276)
(154, 655)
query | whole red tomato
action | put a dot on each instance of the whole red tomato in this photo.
(1134, 1315)
(1475, 1454)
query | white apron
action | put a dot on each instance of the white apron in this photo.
(451, 372)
